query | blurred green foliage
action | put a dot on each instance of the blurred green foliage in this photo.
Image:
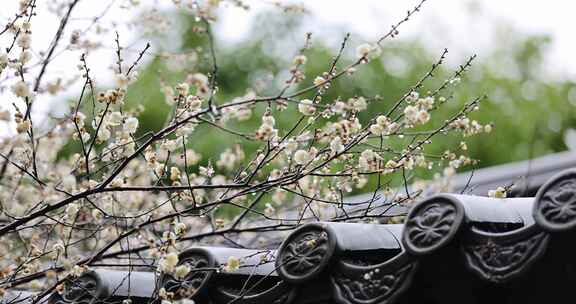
(529, 112)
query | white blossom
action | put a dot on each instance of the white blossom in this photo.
(182, 89)
(376, 129)
(363, 50)
(69, 182)
(24, 57)
(170, 145)
(266, 131)
(302, 157)
(117, 182)
(3, 58)
(411, 113)
(194, 103)
(306, 107)
(24, 40)
(78, 270)
(426, 103)
(291, 146)
(104, 134)
(300, 59)
(168, 263)
(163, 294)
(391, 165)
(181, 271)
(115, 118)
(121, 81)
(336, 145)
(26, 25)
(131, 125)
(180, 228)
(339, 107)
(58, 247)
(200, 81)
(79, 119)
(71, 210)
(227, 160)
(269, 210)
(423, 117)
(279, 196)
(97, 214)
(23, 126)
(368, 160)
(500, 192)
(174, 174)
(21, 89)
(382, 120)
(206, 171)
(243, 114)
(268, 120)
(232, 264)
(413, 96)
(319, 80)
(358, 104)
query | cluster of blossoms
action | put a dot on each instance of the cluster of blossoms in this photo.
(96, 178)
(366, 51)
(22, 125)
(383, 126)
(239, 113)
(3, 60)
(232, 264)
(115, 96)
(455, 161)
(346, 129)
(266, 131)
(417, 112)
(178, 94)
(499, 192)
(296, 71)
(306, 107)
(169, 264)
(470, 127)
(303, 157)
(23, 37)
(231, 158)
(369, 160)
(353, 104)
(336, 145)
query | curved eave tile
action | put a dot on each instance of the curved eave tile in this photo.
(451, 249)
(445, 223)
(255, 281)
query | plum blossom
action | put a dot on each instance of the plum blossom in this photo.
(302, 157)
(306, 107)
(167, 264)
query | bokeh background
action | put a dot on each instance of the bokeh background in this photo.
(525, 61)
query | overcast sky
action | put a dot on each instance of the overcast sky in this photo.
(442, 23)
(462, 26)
